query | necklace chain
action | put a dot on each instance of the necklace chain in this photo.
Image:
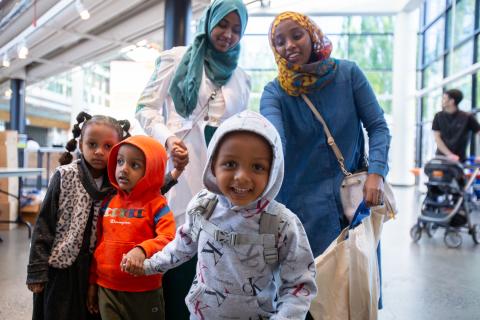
(210, 99)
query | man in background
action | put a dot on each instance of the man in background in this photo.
(452, 127)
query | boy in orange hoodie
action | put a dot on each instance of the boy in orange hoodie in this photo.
(135, 223)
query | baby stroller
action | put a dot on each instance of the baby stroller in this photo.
(448, 203)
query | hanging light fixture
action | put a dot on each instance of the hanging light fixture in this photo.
(5, 61)
(8, 93)
(22, 50)
(265, 3)
(82, 11)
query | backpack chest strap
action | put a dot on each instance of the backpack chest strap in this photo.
(233, 238)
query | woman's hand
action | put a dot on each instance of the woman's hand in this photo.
(373, 190)
(132, 262)
(178, 152)
(36, 287)
(92, 299)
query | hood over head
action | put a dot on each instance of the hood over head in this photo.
(155, 158)
(252, 122)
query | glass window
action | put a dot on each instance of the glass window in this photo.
(381, 81)
(464, 20)
(460, 59)
(371, 52)
(478, 47)
(256, 53)
(433, 73)
(433, 9)
(340, 46)
(259, 79)
(386, 104)
(432, 103)
(370, 24)
(331, 25)
(477, 89)
(434, 41)
(419, 79)
(258, 25)
(419, 51)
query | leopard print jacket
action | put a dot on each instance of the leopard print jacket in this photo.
(78, 195)
(58, 235)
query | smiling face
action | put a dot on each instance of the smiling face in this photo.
(131, 165)
(96, 143)
(242, 167)
(226, 34)
(292, 42)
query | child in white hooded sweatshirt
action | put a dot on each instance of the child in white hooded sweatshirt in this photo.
(243, 270)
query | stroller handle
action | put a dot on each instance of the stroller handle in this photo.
(472, 178)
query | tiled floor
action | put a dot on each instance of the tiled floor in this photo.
(421, 281)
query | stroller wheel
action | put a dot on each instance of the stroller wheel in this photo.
(452, 239)
(431, 228)
(476, 233)
(416, 233)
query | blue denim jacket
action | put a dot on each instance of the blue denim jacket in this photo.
(311, 187)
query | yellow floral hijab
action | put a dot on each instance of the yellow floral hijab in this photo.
(318, 72)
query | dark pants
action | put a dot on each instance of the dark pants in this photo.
(65, 293)
(176, 284)
(115, 305)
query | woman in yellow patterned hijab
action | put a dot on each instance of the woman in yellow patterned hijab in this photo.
(302, 53)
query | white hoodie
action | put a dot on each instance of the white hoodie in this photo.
(235, 282)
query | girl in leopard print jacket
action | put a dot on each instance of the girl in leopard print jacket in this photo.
(64, 235)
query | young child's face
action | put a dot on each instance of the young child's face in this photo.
(96, 143)
(242, 167)
(130, 167)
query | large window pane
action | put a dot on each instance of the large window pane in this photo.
(460, 59)
(340, 46)
(259, 80)
(433, 9)
(371, 24)
(433, 73)
(381, 81)
(258, 25)
(331, 25)
(386, 104)
(371, 52)
(478, 48)
(432, 103)
(477, 104)
(434, 39)
(256, 53)
(464, 20)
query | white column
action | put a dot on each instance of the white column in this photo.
(402, 151)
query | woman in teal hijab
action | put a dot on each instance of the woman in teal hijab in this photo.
(192, 90)
(219, 61)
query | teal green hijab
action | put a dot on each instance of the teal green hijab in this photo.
(219, 66)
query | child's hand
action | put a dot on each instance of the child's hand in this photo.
(36, 287)
(92, 298)
(132, 262)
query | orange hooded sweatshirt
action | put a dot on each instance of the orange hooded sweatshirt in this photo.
(140, 218)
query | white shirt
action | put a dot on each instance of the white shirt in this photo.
(159, 119)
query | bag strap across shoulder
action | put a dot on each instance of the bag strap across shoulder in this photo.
(389, 198)
(330, 140)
